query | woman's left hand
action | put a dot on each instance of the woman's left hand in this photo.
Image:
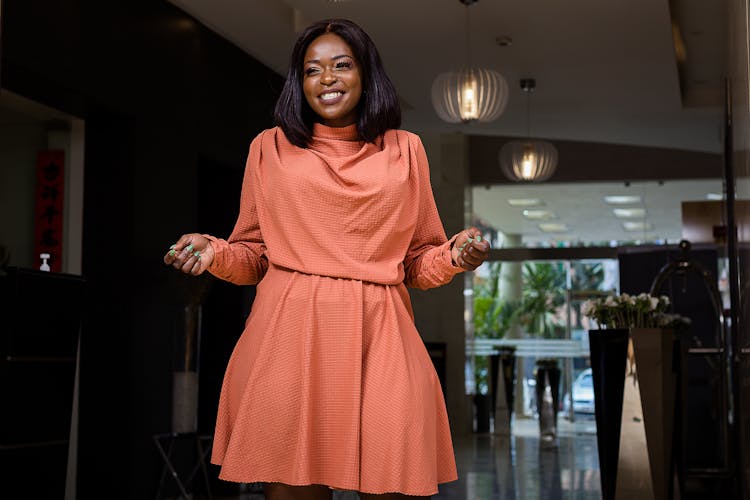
(470, 249)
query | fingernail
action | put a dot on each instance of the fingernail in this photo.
(172, 247)
(197, 253)
(479, 237)
(189, 248)
(171, 252)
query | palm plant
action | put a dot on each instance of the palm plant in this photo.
(544, 285)
(493, 317)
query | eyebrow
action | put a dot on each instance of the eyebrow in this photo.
(334, 58)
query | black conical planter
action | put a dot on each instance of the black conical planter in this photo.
(482, 412)
(609, 350)
(504, 360)
(547, 374)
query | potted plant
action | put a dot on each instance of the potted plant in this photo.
(635, 339)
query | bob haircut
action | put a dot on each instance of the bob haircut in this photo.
(378, 109)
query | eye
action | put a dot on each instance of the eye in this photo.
(310, 71)
(343, 65)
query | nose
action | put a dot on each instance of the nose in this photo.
(328, 77)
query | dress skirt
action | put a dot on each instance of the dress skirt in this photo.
(330, 383)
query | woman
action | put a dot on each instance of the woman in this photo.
(330, 385)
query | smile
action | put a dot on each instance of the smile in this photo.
(331, 97)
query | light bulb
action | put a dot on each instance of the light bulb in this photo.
(469, 107)
(528, 163)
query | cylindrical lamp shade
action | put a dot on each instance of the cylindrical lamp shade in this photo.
(469, 95)
(528, 161)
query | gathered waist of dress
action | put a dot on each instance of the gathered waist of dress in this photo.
(276, 268)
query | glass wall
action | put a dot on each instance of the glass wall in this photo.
(535, 307)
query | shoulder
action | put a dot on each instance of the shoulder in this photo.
(269, 138)
(266, 134)
(406, 135)
(406, 140)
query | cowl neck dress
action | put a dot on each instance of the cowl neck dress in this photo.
(330, 382)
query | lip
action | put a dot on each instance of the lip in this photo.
(335, 100)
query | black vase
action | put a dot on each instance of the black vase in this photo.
(482, 412)
(547, 376)
(609, 350)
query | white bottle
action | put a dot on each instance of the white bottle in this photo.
(44, 266)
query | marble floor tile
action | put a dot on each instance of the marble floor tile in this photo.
(521, 466)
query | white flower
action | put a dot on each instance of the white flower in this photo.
(610, 301)
(653, 303)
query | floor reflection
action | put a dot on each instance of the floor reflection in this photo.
(521, 467)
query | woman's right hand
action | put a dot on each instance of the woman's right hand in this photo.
(192, 254)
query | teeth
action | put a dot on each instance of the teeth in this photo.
(330, 95)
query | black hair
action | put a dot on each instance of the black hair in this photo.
(378, 109)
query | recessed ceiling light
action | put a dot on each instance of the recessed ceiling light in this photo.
(525, 202)
(629, 213)
(622, 199)
(553, 227)
(714, 196)
(637, 226)
(539, 214)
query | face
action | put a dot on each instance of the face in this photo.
(332, 81)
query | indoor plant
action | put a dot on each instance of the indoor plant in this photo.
(634, 328)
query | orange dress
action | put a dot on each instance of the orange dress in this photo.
(330, 382)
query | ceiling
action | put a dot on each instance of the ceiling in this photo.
(589, 219)
(606, 71)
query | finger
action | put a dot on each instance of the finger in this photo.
(185, 240)
(465, 263)
(462, 240)
(169, 257)
(190, 261)
(474, 256)
(182, 256)
(187, 266)
(481, 249)
(174, 252)
(197, 267)
(472, 260)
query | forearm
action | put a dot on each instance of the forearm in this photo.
(239, 262)
(431, 268)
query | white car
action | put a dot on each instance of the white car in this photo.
(583, 392)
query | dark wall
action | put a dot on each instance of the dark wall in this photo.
(598, 162)
(165, 101)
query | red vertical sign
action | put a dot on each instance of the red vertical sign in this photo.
(50, 187)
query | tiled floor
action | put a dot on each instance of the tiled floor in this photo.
(521, 467)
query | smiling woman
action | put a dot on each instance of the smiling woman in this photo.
(336, 55)
(330, 385)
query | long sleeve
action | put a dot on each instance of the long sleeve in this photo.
(242, 259)
(427, 263)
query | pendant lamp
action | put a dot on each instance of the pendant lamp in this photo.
(472, 94)
(528, 160)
